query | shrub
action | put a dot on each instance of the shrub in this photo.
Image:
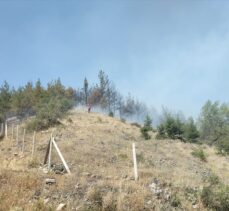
(49, 113)
(111, 114)
(191, 133)
(223, 146)
(213, 179)
(161, 133)
(199, 153)
(216, 197)
(175, 200)
(123, 120)
(145, 134)
(34, 163)
(146, 128)
(136, 124)
(171, 128)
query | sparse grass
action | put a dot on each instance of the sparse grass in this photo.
(41, 206)
(123, 120)
(33, 163)
(216, 197)
(175, 200)
(100, 158)
(213, 179)
(140, 157)
(136, 124)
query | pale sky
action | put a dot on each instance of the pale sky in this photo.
(166, 53)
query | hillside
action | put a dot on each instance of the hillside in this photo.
(98, 150)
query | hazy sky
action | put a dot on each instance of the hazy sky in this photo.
(171, 53)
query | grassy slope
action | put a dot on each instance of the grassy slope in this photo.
(98, 151)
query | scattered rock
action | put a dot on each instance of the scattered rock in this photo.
(85, 174)
(159, 192)
(149, 202)
(61, 207)
(59, 169)
(37, 194)
(195, 206)
(46, 201)
(50, 181)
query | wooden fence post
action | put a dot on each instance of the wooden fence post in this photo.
(17, 138)
(23, 142)
(12, 131)
(6, 130)
(50, 153)
(135, 162)
(61, 156)
(33, 147)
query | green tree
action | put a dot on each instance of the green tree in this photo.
(146, 127)
(214, 121)
(5, 100)
(190, 131)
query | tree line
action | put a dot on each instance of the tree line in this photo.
(211, 127)
(47, 104)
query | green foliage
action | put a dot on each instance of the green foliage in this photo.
(123, 120)
(190, 131)
(199, 153)
(136, 124)
(223, 146)
(161, 132)
(111, 114)
(216, 197)
(5, 96)
(47, 105)
(213, 179)
(173, 127)
(175, 200)
(146, 128)
(214, 121)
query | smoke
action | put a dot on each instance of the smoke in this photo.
(136, 117)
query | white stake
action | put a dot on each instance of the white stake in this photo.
(135, 162)
(17, 136)
(61, 156)
(33, 147)
(23, 142)
(6, 130)
(12, 131)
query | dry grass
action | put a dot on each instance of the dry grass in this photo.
(97, 149)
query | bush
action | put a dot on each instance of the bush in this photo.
(111, 114)
(199, 153)
(223, 146)
(146, 128)
(161, 133)
(123, 120)
(145, 134)
(171, 128)
(48, 114)
(175, 200)
(213, 179)
(191, 133)
(216, 197)
(136, 124)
